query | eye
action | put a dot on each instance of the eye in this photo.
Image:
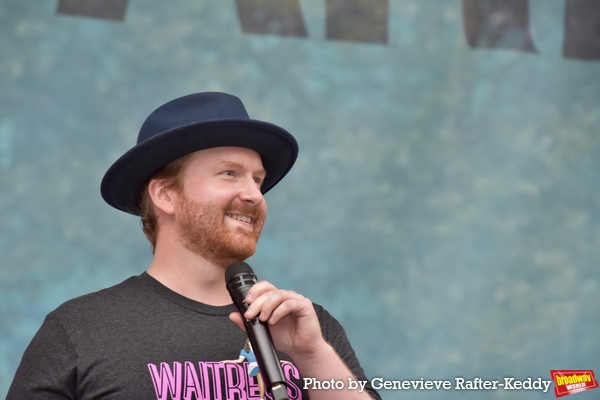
(228, 173)
(259, 181)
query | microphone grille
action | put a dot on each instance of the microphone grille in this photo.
(237, 268)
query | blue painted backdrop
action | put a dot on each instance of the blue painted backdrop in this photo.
(445, 206)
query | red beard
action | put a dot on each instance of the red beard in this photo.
(202, 229)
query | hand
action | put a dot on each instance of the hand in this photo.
(291, 317)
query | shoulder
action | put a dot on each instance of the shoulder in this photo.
(111, 294)
(97, 305)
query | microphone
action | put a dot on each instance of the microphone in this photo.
(240, 278)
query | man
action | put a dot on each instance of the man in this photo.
(197, 177)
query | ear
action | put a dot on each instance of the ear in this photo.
(163, 197)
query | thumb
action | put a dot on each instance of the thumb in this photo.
(236, 317)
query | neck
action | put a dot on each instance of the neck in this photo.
(189, 274)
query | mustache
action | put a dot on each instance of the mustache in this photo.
(244, 208)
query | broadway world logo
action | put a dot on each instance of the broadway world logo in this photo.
(569, 381)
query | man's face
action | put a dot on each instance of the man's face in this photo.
(221, 210)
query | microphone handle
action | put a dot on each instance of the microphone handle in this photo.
(266, 357)
(260, 338)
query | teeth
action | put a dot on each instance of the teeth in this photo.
(242, 218)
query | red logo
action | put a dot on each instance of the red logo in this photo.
(569, 381)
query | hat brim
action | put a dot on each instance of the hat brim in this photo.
(123, 182)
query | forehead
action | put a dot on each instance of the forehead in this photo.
(227, 155)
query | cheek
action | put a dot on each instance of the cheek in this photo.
(208, 193)
(263, 207)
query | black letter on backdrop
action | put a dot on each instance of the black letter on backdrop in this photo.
(279, 17)
(582, 30)
(357, 20)
(498, 24)
(106, 9)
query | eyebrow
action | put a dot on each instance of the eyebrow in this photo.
(235, 164)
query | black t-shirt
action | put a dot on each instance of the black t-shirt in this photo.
(141, 340)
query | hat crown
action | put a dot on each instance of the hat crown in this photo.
(188, 124)
(192, 109)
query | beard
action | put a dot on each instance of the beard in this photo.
(202, 229)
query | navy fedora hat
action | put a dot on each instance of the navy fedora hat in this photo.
(188, 124)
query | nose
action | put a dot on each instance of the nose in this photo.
(250, 192)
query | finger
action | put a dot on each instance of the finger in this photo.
(287, 300)
(291, 307)
(298, 306)
(256, 307)
(259, 289)
(256, 297)
(269, 302)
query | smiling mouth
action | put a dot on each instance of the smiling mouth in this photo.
(241, 218)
